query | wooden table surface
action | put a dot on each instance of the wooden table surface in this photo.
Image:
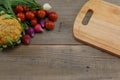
(56, 55)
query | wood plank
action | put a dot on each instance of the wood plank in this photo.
(67, 12)
(117, 2)
(58, 62)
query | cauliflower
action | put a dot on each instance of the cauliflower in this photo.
(9, 29)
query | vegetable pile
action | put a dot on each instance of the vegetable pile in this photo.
(36, 20)
(33, 17)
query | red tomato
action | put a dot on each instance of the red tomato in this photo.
(21, 16)
(49, 25)
(41, 13)
(25, 8)
(33, 22)
(19, 8)
(34, 12)
(30, 15)
(53, 16)
(15, 11)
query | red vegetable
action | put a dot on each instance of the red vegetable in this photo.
(38, 28)
(33, 22)
(25, 8)
(34, 12)
(19, 8)
(42, 22)
(47, 13)
(30, 32)
(41, 13)
(15, 11)
(26, 39)
(21, 16)
(49, 25)
(53, 16)
(30, 15)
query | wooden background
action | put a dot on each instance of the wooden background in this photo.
(56, 55)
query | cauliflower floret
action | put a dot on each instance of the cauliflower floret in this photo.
(9, 28)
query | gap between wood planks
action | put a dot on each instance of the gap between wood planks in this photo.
(81, 50)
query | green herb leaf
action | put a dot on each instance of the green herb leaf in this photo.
(9, 42)
(4, 46)
(18, 42)
(7, 16)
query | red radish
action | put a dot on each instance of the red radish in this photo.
(38, 28)
(30, 32)
(26, 39)
(42, 22)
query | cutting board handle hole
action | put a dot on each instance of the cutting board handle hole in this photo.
(87, 17)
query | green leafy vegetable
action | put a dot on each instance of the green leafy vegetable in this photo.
(18, 40)
(9, 42)
(6, 7)
(7, 16)
(2, 12)
(4, 46)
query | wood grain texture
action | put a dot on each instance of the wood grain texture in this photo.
(56, 55)
(67, 12)
(58, 62)
(103, 29)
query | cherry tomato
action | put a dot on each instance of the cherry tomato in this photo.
(21, 16)
(34, 12)
(19, 8)
(15, 11)
(30, 15)
(41, 13)
(53, 16)
(49, 25)
(33, 22)
(25, 8)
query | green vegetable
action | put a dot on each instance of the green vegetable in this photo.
(6, 7)
(9, 42)
(25, 26)
(2, 12)
(7, 16)
(18, 40)
(4, 46)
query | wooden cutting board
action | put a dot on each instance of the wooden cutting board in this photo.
(102, 28)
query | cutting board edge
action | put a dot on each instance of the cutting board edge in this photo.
(97, 47)
(76, 32)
